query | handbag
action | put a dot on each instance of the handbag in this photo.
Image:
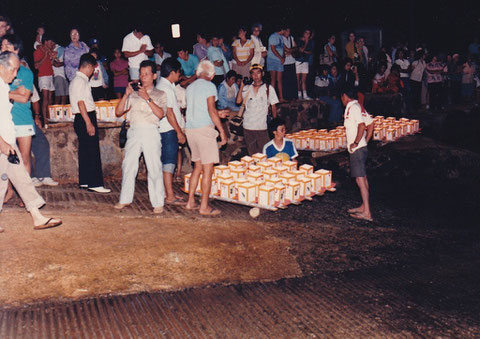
(122, 137)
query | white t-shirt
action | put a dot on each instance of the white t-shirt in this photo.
(169, 89)
(256, 107)
(59, 71)
(289, 43)
(159, 60)
(352, 118)
(80, 90)
(257, 56)
(96, 80)
(404, 66)
(7, 128)
(418, 69)
(132, 44)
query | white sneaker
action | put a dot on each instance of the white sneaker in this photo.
(99, 189)
(83, 186)
(48, 181)
(36, 182)
(306, 97)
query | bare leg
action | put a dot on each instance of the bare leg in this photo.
(25, 147)
(206, 187)
(299, 82)
(273, 76)
(280, 86)
(178, 171)
(197, 170)
(45, 102)
(63, 100)
(304, 81)
(362, 183)
(169, 193)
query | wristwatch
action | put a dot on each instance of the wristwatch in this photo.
(149, 100)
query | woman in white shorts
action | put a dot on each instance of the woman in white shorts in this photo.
(20, 90)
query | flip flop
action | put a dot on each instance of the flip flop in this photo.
(177, 201)
(191, 209)
(353, 210)
(49, 224)
(213, 212)
(361, 217)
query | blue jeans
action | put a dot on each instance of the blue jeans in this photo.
(169, 151)
(41, 152)
(143, 139)
(335, 106)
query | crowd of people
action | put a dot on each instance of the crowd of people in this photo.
(177, 99)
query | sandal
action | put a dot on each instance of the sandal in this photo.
(177, 201)
(49, 224)
(213, 212)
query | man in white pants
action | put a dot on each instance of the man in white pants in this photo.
(145, 107)
(11, 166)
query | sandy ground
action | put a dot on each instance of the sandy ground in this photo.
(92, 255)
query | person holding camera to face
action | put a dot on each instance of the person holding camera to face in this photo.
(256, 97)
(145, 106)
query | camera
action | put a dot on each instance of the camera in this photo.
(13, 158)
(247, 81)
(135, 86)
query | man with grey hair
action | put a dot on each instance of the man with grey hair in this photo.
(11, 164)
(202, 118)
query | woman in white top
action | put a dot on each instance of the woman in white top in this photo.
(260, 50)
(416, 77)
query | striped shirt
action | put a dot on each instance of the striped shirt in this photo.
(243, 52)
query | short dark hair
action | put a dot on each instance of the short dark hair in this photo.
(46, 37)
(87, 59)
(95, 50)
(349, 93)
(169, 65)
(231, 74)
(275, 123)
(149, 63)
(15, 40)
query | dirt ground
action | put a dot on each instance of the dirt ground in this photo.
(92, 255)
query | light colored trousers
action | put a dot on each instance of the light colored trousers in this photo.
(143, 139)
(20, 179)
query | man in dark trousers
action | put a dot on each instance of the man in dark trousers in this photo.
(90, 174)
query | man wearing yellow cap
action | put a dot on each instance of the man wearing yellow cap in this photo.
(256, 97)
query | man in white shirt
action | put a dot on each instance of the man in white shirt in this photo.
(256, 97)
(90, 173)
(11, 163)
(359, 129)
(171, 127)
(160, 55)
(136, 48)
(260, 52)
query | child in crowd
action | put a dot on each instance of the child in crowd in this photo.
(119, 68)
(279, 146)
(379, 78)
(99, 79)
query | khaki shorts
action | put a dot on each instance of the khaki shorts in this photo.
(203, 144)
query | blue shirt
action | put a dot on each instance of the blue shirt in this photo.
(224, 101)
(271, 150)
(21, 112)
(216, 54)
(275, 40)
(197, 115)
(189, 66)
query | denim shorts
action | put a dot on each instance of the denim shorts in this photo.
(274, 64)
(358, 161)
(169, 150)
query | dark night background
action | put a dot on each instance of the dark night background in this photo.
(446, 26)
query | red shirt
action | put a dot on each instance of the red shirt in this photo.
(45, 68)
